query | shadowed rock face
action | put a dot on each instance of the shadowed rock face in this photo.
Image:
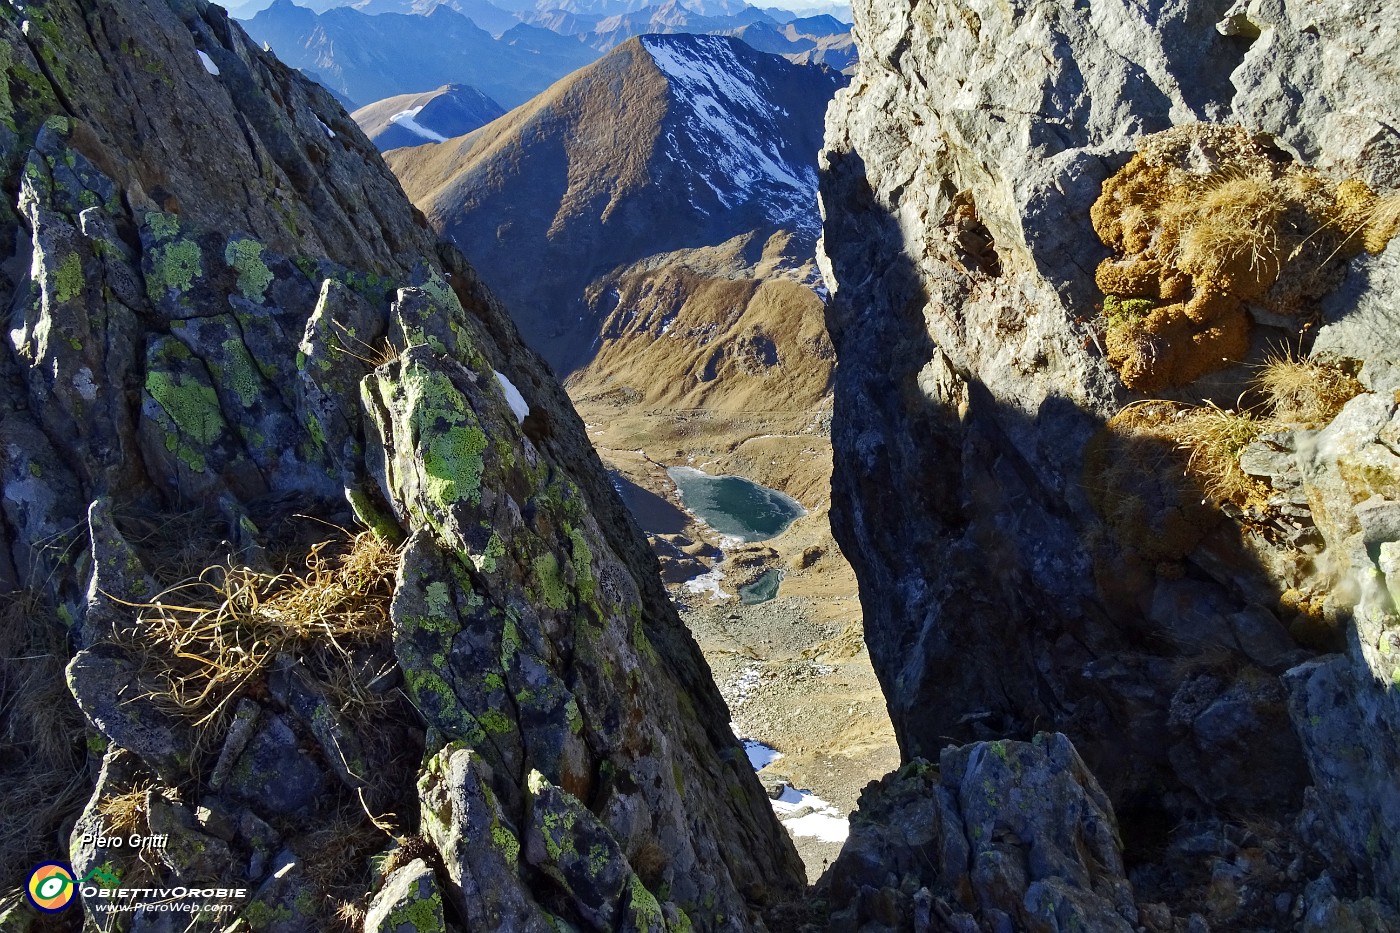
(1004, 590)
(210, 255)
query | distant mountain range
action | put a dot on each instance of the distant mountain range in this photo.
(374, 49)
(665, 146)
(368, 57)
(841, 10)
(413, 119)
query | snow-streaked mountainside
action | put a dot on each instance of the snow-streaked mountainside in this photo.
(726, 112)
(413, 119)
(666, 143)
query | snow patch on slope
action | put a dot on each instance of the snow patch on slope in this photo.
(514, 399)
(727, 117)
(405, 119)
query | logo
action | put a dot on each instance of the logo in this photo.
(51, 886)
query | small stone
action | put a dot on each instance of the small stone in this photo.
(409, 902)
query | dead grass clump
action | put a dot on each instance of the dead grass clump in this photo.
(127, 812)
(43, 779)
(203, 642)
(337, 861)
(1214, 438)
(1205, 220)
(1233, 235)
(1304, 392)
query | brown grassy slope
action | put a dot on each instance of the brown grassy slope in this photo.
(702, 329)
(533, 198)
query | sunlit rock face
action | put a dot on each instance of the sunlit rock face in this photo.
(228, 326)
(1031, 554)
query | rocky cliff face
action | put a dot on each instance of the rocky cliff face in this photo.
(1043, 562)
(224, 314)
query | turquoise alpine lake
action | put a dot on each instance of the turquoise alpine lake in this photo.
(735, 506)
(762, 589)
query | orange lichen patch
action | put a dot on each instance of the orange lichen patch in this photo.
(1205, 219)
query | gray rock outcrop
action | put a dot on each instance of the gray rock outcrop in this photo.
(225, 314)
(1000, 835)
(1038, 568)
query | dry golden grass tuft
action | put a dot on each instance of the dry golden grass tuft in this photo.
(1233, 230)
(1196, 239)
(43, 779)
(204, 641)
(1214, 438)
(1304, 392)
(127, 812)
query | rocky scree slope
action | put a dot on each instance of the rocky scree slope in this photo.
(1029, 553)
(224, 312)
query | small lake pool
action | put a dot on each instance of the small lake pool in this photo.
(735, 506)
(762, 589)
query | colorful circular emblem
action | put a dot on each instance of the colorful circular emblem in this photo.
(51, 887)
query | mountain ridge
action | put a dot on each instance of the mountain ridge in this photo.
(411, 119)
(689, 157)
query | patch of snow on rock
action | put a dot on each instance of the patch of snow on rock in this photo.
(514, 399)
(760, 755)
(806, 814)
(708, 583)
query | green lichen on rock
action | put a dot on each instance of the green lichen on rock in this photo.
(495, 722)
(237, 370)
(193, 407)
(245, 257)
(453, 464)
(369, 513)
(495, 549)
(450, 443)
(174, 267)
(582, 559)
(423, 915)
(505, 842)
(186, 403)
(163, 226)
(68, 279)
(552, 590)
(644, 907)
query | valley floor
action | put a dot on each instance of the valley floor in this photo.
(794, 670)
